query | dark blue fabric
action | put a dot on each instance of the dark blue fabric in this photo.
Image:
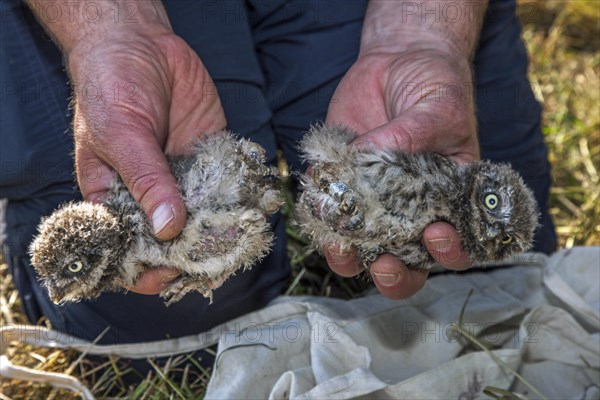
(275, 65)
(35, 141)
(221, 34)
(508, 114)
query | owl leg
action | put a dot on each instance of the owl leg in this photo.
(340, 208)
(256, 179)
(183, 285)
(224, 242)
(368, 255)
(251, 158)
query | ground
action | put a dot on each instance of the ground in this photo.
(564, 45)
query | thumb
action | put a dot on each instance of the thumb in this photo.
(142, 165)
(417, 130)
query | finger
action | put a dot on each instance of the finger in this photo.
(152, 185)
(443, 243)
(195, 105)
(394, 280)
(141, 163)
(155, 280)
(423, 130)
(93, 176)
(207, 117)
(342, 263)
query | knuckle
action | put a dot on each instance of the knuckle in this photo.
(143, 184)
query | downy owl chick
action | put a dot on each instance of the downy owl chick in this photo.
(84, 249)
(381, 201)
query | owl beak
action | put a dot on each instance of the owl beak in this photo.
(493, 232)
(56, 295)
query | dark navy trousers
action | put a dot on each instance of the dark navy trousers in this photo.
(275, 65)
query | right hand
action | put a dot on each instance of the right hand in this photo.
(373, 98)
(140, 94)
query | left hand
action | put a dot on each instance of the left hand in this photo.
(414, 100)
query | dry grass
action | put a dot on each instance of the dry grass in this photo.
(563, 41)
(562, 38)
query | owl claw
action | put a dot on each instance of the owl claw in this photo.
(183, 285)
(344, 195)
(251, 153)
(174, 292)
(256, 178)
(355, 222)
(339, 191)
(250, 217)
(348, 203)
(368, 256)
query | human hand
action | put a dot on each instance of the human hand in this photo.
(417, 100)
(139, 94)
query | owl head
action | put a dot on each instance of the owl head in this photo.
(76, 249)
(503, 212)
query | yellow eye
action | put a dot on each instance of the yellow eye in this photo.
(507, 239)
(75, 266)
(491, 201)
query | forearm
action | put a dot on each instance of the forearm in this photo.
(79, 23)
(451, 27)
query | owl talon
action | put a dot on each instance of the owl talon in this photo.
(327, 183)
(250, 217)
(183, 285)
(348, 203)
(355, 222)
(370, 255)
(257, 180)
(251, 153)
(174, 292)
(336, 189)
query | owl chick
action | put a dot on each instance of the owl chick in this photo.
(381, 201)
(85, 249)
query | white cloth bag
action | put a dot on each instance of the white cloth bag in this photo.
(542, 317)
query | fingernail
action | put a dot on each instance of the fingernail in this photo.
(336, 256)
(334, 252)
(339, 258)
(347, 261)
(161, 217)
(98, 197)
(440, 244)
(387, 279)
